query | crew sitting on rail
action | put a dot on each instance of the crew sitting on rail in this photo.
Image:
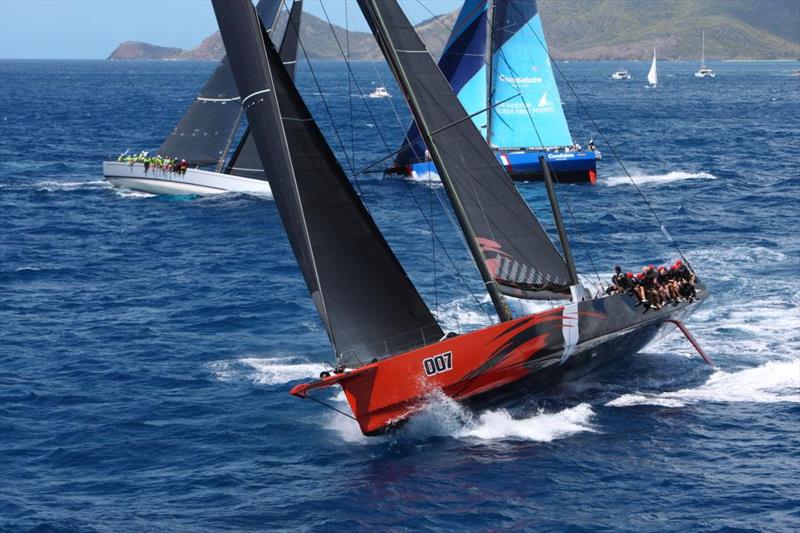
(656, 287)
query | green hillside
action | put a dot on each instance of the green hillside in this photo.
(628, 29)
(596, 30)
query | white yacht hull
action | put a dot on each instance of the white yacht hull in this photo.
(194, 181)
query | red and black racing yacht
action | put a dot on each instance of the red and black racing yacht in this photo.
(391, 352)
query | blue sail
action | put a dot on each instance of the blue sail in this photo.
(463, 63)
(521, 66)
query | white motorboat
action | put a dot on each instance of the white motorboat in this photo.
(704, 71)
(621, 75)
(380, 92)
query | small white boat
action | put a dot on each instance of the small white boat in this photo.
(652, 76)
(704, 71)
(380, 92)
(621, 75)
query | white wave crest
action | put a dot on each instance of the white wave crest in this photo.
(444, 417)
(266, 370)
(776, 381)
(541, 427)
(55, 186)
(658, 179)
(128, 193)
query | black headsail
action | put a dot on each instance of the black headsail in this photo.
(245, 161)
(368, 304)
(204, 134)
(512, 250)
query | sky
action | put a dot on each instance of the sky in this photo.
(92, 29)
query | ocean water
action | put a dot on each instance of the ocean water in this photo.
(147, 344)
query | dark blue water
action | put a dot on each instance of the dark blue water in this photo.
(147, 343)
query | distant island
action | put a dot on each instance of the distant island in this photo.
(580, 30)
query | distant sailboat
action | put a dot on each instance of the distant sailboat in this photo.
(652, 76)
(204, 135)
(496, 61)
(704, 71)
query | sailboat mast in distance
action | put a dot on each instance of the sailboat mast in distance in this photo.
(367, 303)
(511, 249)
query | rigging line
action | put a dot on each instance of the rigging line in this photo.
(400, 122)
(610, 147)
(349, 80)
(441, 244)
(372, 117)
(322, 96)
(350, 71)
(435, 132)
(433, 250)
(329, 406)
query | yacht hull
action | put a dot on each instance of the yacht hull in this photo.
(568, 167)
(510, 358)
(193, 181)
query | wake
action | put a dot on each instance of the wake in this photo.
(772, 382)
(657, 179)
(266, 370)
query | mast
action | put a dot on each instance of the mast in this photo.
(472, 240)
(703, 53)
(562, 233)
(489, 71)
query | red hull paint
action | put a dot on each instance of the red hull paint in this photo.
(384, 393)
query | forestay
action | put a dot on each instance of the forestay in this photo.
(368, 304)
(509, 244)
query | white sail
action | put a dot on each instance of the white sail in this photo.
(652, 76)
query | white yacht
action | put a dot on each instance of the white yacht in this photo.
(704, 71)
(621, 75)
(380, 92)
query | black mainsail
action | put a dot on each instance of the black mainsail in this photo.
(245, 160)
(512, 250)
(205, 132)
(369, 306)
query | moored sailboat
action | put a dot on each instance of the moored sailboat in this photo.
(391, 352)
(497, 62)
(192, 159)
(704, 71)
